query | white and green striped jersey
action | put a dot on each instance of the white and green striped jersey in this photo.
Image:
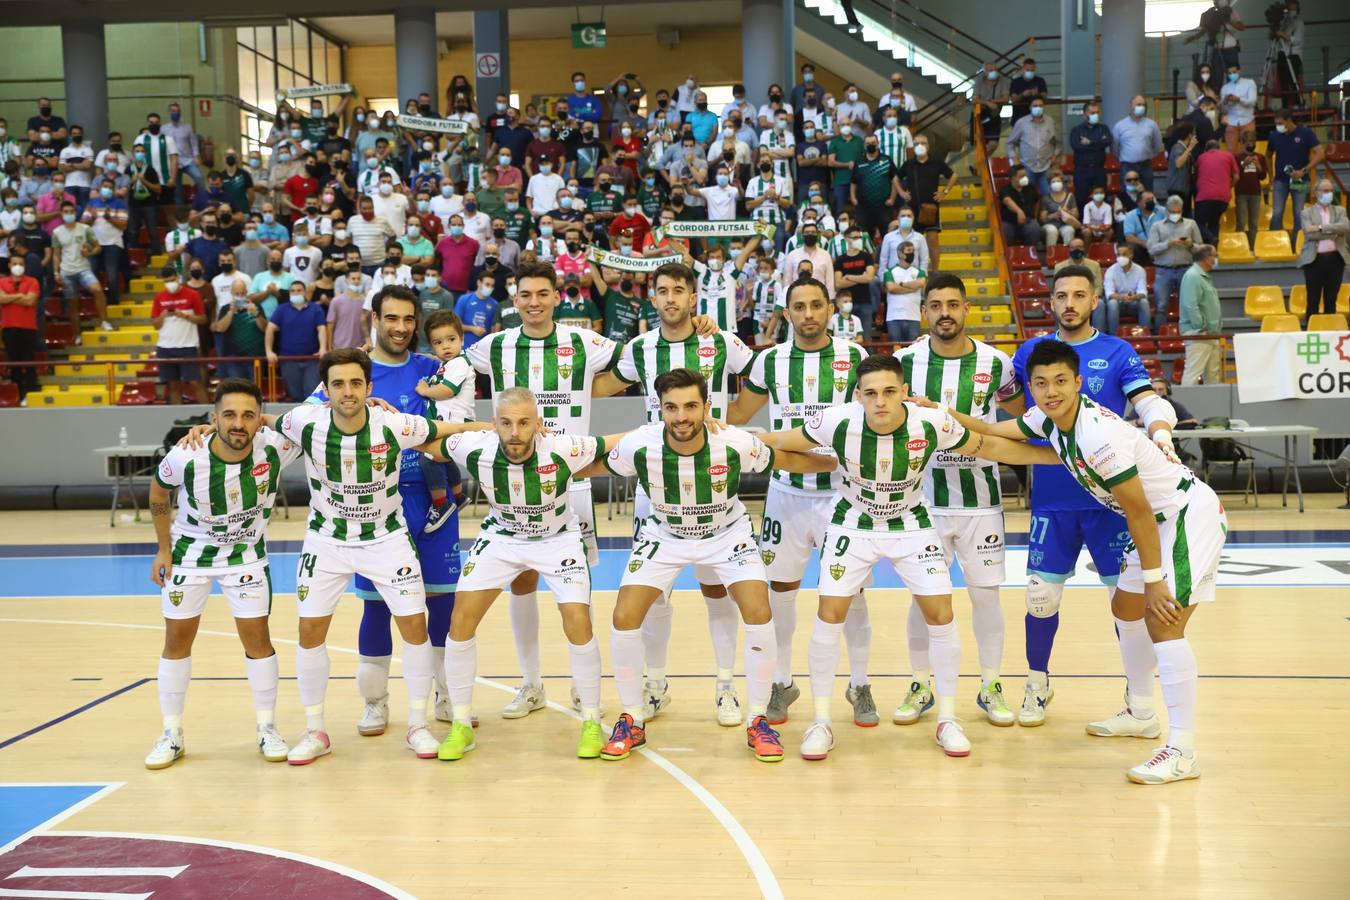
(694, 496)
(559, 369)
(847, 327)
(777, 140)
(223, 507)
(969, 384)
(527, 499)
(1102, 450)
(881, 488)
(894, 143)
(838, 245)
(717, 357)
(717, 293)
(158, 149)
(353, 478)
(768, 211)
(802, 384)
(766, 297)
(457, 373)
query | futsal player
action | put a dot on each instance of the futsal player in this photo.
(227, 488)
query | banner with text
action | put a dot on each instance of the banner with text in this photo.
(1313, 365)
(314, 90)
(441, 126)
(630, 263)
(731, 228)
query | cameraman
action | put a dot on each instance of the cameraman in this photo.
(1220, 26)
(1288, 38)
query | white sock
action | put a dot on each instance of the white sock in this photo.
(761, 656)
(1138, 657)
(656, 630)
(311, 675)
(1180, 677)
(174, 675)
(784, 607)
(723, 622)
(525, 628)
(262, 680)
(372, 677)
(626, 649)
(461, 665)
(417, 662)
(586, 676)
(916, 636)
(986, 617)
(438, 673)
(944, 646)
(822, 659)
(858, 639)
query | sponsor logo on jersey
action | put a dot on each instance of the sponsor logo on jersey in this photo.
(378, 463)
(981, 378)
(348, 463)
(516, 487)
(233, 495)
(931, 548)
(404, 571)
(718, 472)
(841, 369)
(379, 448)
(1099, 363)
(547, 469)
(918, 445)
(837, 571)
(261, 469)
(245, 578)
(992, 540)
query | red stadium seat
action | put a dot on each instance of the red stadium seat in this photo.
(1151, 274)
(1178, 367)
(1104, 252)
(1022, 257)
(999, 166)
(1067, 168)
(137, 393)
(1338, 152)
(999, 185)
(1153, 367)
(88, 309)
(138, 258)
(52, 307)
(1113, 182)
(1030, 284)
(1056, 255)
(1173, 309)
(1112, 164)
(1035, 309)
(149, 370)
(59, 334)
(1160, 162)
(9, 395)
(1142, 347)
(1173, 346)
(1038, 330)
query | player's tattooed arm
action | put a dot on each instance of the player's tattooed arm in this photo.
(161, 511)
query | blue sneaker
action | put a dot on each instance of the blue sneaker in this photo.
(438, 516)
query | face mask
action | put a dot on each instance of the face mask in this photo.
(153, 128)
(1098, 198)
(501, 107)
(991, 75)
(1023, 181)
(715, 264)
(275, 265)
(29, 218)
(1028, 74)
(77, 139)
(1139, 110)
(68, 218)
(808, 133)
(283, 157)
(780, 124)
(339, 234)
(106, 193)
(228, 267)
(297, 299)
(386, 189)
(45, 137)
(371, 162)
(171, 286)
(250, 234)
(908, 257)
(855, 243)
(723, 180)
(45, 110)
(253, 162)
(1147, 206)
(1077, 253)
(810, 240)
(471, 206)
(1038, 111)
(579, 85)
(456, 230)
(845, 130)
(414, 231)
(1123, 260)
(16, 270)
(906, 222)
(1204, 76)
(891, 121)
(1131, 188)
(1233, 77)
(1174, 217)
(296, 134)
(1325, 198)
(1281, 128)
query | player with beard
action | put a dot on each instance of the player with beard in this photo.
(1064, 516)
(951, 368)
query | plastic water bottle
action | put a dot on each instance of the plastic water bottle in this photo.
(122, 437)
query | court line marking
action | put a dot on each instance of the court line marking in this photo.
(74, 712)
(368, 880)
(759, 866)
(108, 788)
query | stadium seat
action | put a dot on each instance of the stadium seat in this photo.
(1056, 255)
(1234, 249)
(1141, 347)
(1298, 300)
(1038, 330)
(1067, 167)
(9, 394)
(1021, 256)
(136, 256)
(1104, 253)
(1178, 367)
(1150, 274)
(999, 166)
(1030, 284)
(1036, 308)
(1173, 346)
(1338, 152)
(1328, 322)
(1280, 322)
(1113, 182)
(1153, 366)
(1160, 162)
(137, 393)
(1274, 246)
(1112, 164)
(1263, 300)
(59, 334)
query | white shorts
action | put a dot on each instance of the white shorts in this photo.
(847, 559)
(496, 560)
(975, 541)
(1192, 542)
(729, 557)
(792, 524)
(248, 590)
(581, 502)
(326, 569)
(642, 510)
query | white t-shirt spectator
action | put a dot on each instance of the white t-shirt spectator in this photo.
(221, 285)
(1098, 214)
(445, 207)
(1119, 281)
(477, 226)
(394, 208)
(902, 306)
(70, 153)
(1240, 112)
(542, 192)
(303, 263)
(721, 201)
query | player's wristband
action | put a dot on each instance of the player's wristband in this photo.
(1153, 576)
(1164, 436)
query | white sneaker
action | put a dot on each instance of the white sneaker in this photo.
(443, 712)
(1168, 764)
(168, 749)
(310, 747)
(952, 739)
(271, 744)
(655, 698)
(375, 718)
(728, 706)
(818, 741)
(1126, 724)
(529, 698)
(576, 703)
(422, 743)
(1034, 702)
(917, 702)
(106, 325)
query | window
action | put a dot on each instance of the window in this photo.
(274, 58)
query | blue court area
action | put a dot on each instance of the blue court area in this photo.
(1257, 559)
(24, 807)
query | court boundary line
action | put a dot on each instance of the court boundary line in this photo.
(73, 713)
(759, 866)
(42, 827)
(368, 880)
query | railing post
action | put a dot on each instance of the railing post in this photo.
(111, 382)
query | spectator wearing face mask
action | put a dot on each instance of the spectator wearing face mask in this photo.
(302, 258)
(632, 221)
(778, 145)
(456, 253)
(545, 147)
(270, 287)
(1019, 205)
(809, 251)
(1098, 217)
(1136, 224)
(19, 293)
(76, 162)
(1136, 140)
(1216, 171)
(477, 309)
(207, 247)
(1252, 173)
(854, 272)
(1171, 244)
(904, 283)
(544, 187)
(1325, 252)
(188, 143)
(875, 189)
(1237, 103)
(926, 180)
(54, 125)
(1292, 155)
(1034, 142)
(584, 105)
(106, 214)
(176, 313)
(1089, 142)
(299, 328)
(990, 90)
(1025, 88)
(242, 326)
(1078, 257)
(1059, 212)
(161, 153)
(390, 204)
(1124, 290)
(345, 322)
(48, 205)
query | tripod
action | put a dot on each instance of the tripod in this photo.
(1276, 69)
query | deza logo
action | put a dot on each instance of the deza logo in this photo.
(918, 445)
(565, 362)
(841, 368)
(1099, 364)
(982, 378)
(261, 469)
(716, 472)
(547, 486)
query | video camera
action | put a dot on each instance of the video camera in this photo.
(1275, 17)
(1213, 20)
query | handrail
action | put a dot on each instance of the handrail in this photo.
(1003, 61)
(995, 220)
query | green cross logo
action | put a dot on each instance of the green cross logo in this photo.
(1312, 348)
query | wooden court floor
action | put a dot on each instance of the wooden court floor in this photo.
(1041, 812)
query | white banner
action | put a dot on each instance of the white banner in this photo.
(1313, 365)
(316, 90)
(443, 126)
(730, 228)
(630, 263)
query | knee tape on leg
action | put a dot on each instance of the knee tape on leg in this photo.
(1043, 597)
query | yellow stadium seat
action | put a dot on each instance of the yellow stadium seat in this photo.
(1328, 322)
(1274, 246)
(1233, 248)
(1280, 322)
(979, 287)
(1343, 300)
(1228, 219)
(147, 285)
(967, 192)
(1263, 300)
(959, 215)
(159, 261)
(956, 238)
(1298, 300)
